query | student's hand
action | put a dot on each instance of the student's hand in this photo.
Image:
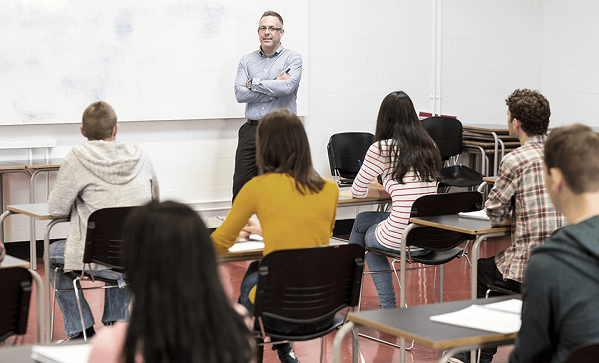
(252, 227)
(283, 76)
(376, 190)
(507, 221)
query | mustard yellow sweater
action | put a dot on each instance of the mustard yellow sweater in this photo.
(288, 218)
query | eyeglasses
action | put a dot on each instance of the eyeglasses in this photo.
(271, 29)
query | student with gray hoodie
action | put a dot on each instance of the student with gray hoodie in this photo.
(99, 173)
(560, 293)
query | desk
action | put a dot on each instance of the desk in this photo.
(8, 167)
(497, 132)
(346, 200)
(10, 261)
(413, 323)
(38, 165)
(482, 229)
(40, 211)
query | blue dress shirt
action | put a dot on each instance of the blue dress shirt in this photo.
(267, 93)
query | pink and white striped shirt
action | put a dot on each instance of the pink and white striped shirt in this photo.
(378, 162)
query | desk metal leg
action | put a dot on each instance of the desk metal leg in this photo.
(41, 329)
(475, 256)
(47, 271)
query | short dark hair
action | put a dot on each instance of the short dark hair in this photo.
(273, 13)
(411, 146)
(531, 108)
(282, 147)
(98, 121)
(179, 309)
(575, 151)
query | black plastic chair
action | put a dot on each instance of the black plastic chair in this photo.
(15, 284)
(307, 285)
(583, 353)
(444, 244)
(346, 151)
(447, 134)
(104, 246)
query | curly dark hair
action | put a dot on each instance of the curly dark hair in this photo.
(531, 108)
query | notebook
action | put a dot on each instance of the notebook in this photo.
(68, 353)
(479, 214)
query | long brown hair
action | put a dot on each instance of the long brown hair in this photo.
(411, 147)
(282, 147)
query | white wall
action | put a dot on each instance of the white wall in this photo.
(570, 61)
(358, 53)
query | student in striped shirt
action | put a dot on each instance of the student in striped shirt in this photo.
(406, 164)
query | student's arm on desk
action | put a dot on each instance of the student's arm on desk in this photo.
(63, 194)
(507, 221)
(244, 206)
(376, 190)
(252, 227)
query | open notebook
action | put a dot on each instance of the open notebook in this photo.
(501, 317)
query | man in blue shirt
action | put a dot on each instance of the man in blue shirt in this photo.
(267, 79)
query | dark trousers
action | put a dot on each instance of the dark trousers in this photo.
(488, 274)
(245, 157)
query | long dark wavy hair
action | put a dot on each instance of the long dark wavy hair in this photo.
(411, 146)
(282, 147)
(180, 311)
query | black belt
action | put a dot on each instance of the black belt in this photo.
(253, 122)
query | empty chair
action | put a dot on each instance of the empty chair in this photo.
(307, 286)
(447, 134)
(346, 152)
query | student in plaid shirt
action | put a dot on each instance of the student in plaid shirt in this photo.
(519, 198)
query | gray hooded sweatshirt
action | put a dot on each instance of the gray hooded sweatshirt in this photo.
(95, 175)
(560, 295)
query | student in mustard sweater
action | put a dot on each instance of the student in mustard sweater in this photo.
(296, 207)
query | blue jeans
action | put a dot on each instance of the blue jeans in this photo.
(364, 234)
(116, 301)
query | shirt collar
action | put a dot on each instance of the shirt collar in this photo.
(279, 50)
(536, 138)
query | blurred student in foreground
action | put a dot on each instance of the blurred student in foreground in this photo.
(560, 292)
(179, 309)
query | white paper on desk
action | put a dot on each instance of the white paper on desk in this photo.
(74, 353)
(479, 214)
(513, 306)
(247, 246)
(482, 318)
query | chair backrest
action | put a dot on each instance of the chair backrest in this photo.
(104, 242)
(309, 284)
(345, 149)
(447, 134)
(15, 287)
(584, 353)
(441, 204)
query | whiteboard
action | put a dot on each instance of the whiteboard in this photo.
(150, 59)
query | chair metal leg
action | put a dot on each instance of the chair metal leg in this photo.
(321, 348)
(79, 306)
(51, 327)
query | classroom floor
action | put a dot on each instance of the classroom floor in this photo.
(419, 285)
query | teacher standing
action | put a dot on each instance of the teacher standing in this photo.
(267, 79)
